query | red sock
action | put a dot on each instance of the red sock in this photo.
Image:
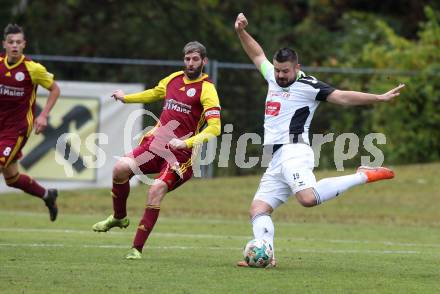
(146, 225)
(119, 195)
(27, 184)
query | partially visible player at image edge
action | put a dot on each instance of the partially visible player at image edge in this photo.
(19, 79)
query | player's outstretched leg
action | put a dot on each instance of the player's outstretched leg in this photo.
(330, 188)
(51, 202)
(120, 191)
(111, 222)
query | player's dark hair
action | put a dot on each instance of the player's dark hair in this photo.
(12, 29)
(286, 54)
(195, 46)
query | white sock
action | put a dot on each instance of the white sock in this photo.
(263, 228)
(329, 188)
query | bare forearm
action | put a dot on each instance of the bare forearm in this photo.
(352, 98)
(360, 98)
(54, 93)
(250, 46)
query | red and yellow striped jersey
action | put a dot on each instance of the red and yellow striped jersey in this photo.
(18, 88)
(190, 103)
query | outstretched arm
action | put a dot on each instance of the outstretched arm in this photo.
(360, 98)
(250, 46)
(147, 96)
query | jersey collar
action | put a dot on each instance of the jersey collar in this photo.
(15, 64)
(188, 81)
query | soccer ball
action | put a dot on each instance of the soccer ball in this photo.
(258, 253)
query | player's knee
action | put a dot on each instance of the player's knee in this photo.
(121, 170)
(257, 207)
(157, 193)
(306, 199)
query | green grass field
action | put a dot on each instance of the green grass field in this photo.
(379, 238)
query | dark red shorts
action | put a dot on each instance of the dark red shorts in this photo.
(10, 148)
(174, 166)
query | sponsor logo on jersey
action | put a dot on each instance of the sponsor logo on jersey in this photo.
(273, 108)
(273, 94)
(19, 76)
(172, 104)
(212, 113)
(11, 91)
(191, 92)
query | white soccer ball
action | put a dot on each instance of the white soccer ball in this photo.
(258, 253)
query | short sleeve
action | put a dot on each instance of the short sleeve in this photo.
(210, 101)
(39, 74)
(324, 90)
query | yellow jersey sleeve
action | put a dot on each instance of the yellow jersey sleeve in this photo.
(211, 113)
(153, 94)
(39, 74)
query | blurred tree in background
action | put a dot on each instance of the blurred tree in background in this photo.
(400, 35)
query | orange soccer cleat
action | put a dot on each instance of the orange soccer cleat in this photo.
(376, 173)
(242, 263)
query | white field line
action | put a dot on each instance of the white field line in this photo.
(222, 237)
(298, 250)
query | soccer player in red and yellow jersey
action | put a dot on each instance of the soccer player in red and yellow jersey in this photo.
(19, 79)
(190, 102)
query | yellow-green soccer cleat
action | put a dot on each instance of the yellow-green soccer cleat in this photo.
(110, 222)
(134, 254)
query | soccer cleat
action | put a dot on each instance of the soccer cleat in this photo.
(376, 173)
(242, 263)
(134, 254)
(51, 203)
(110, 222)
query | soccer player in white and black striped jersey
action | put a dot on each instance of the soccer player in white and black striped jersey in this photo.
(291, 101)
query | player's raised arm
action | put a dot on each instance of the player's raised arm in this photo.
(250, 46)
(360, 98)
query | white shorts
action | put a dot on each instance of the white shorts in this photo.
(289, 171)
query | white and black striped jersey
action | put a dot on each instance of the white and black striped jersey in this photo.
(289, 111)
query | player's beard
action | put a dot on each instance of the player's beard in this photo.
(194, 73)
(284, 83)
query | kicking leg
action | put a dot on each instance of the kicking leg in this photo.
(120, 191)
(329, 188)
